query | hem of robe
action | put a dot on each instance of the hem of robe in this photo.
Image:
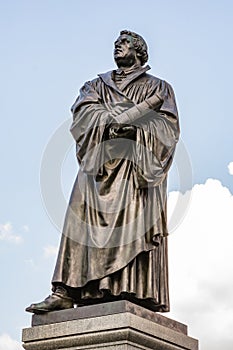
(144, 281)
(65, 277)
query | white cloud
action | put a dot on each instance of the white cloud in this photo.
(230, 168)
(7, 234)
(7, 343)
(50, 251)
(201, 265)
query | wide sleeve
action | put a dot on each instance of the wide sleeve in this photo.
(90, 120)
(157, 135)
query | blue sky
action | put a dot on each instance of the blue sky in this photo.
(48, 50)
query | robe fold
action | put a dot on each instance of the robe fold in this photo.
(114, 240)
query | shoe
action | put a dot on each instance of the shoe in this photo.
(54, 302)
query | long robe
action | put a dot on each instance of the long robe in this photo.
(114, 241)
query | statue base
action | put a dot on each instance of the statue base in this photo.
(119, 325)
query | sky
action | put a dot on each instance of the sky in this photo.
(48, 50)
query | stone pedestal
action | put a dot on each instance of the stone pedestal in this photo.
(120, 325)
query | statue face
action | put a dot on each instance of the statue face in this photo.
(124, 51)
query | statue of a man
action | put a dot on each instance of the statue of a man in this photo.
(114, 241)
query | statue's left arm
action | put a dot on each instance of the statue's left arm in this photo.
(157, 132)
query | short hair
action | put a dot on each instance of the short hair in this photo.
(139, 45)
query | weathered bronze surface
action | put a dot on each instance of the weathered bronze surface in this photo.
(114, 242)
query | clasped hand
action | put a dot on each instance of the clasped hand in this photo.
(117, 130)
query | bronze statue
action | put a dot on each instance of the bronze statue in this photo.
(114, 241)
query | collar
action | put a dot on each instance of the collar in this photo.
(136, 72)
(127, 71)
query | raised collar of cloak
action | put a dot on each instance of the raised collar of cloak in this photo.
(108, 78)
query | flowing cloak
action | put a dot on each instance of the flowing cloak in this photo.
(114, 239)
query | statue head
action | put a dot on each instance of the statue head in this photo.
(130, 47)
